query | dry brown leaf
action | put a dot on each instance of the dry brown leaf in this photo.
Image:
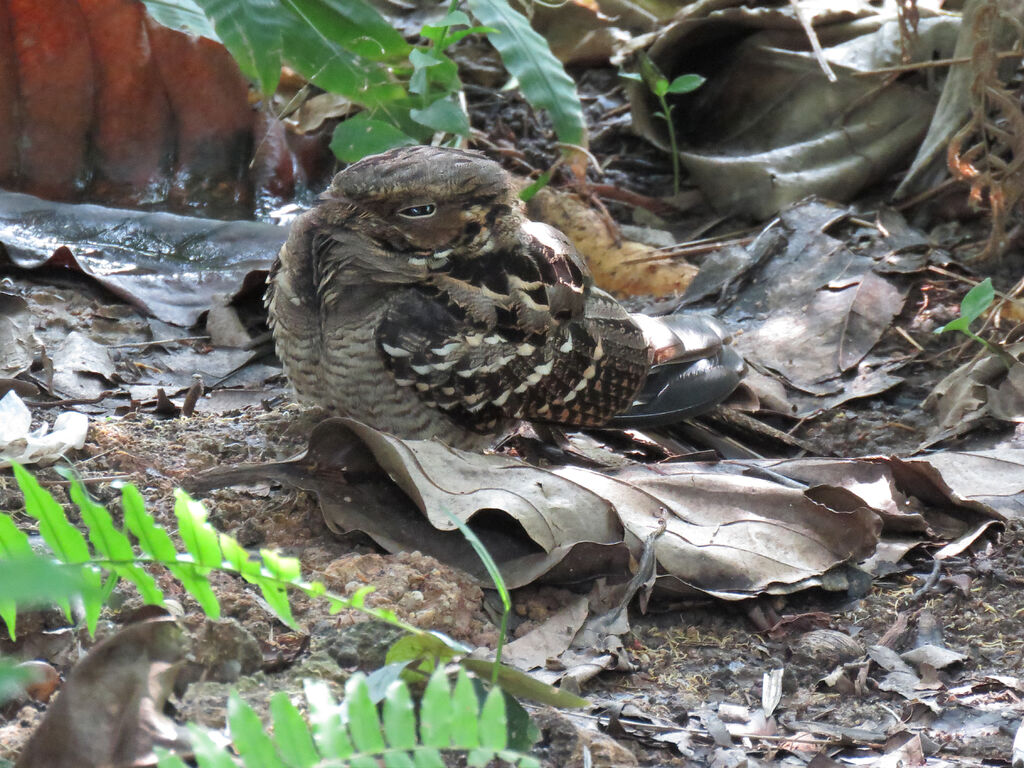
(110, 710)
(620, 266)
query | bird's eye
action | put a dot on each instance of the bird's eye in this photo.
(418, 211)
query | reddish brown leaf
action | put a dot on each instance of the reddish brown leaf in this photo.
(56, 84)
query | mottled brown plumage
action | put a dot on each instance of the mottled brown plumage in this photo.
(418, 298)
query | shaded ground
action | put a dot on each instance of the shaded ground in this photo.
(695, 664)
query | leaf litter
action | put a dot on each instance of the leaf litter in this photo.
(853, 281)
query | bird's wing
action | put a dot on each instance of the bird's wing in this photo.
(529, 339)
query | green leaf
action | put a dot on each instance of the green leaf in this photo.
(977, 300)
(423, 648)
(30, 580)
(250, 30)
(443, 115)
(397, 760)
(399, 717)
(209, 754)
(532, 189)
(194, 580)
(493, 724)
(183, 15)
(360, 715)
(523, 733)
(686, 83)
(974, 304)
(13, 541)
(240, 558)
(428, 758)
(248, 736)
(63, 538)
(436, 711)
(360, 136)
(522, 686)
(465, 711)
(291, 735)
(479, 758)
(651, 75)
(541, 76)
(334, 68)
(114, 545)
(199, 538)
(152, 538)
(325, 718)
(355, 26)
(379, 681)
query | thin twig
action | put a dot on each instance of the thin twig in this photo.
(75, 400)
(909, 338)
(131, 344)
(812, 36)
(689, 249)
(929, 64)
(85, 480)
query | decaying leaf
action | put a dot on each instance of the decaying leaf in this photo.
(989, 385)
(815, 311)
(620, 266)
(769, 128)
(16, 338)
(570, 523)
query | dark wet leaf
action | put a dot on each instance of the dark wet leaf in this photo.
(172, 267)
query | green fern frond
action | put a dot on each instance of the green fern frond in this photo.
(112, 556)
(91, 574)
(353, 733)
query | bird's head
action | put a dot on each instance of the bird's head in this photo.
(436, 199)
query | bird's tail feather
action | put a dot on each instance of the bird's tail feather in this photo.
(694, 369)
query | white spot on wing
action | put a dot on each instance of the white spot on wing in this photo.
(395, 351)
(446, 349)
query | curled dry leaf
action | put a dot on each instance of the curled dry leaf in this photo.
(570, 524)
(620, 266)
(110, 710)
(768, 127)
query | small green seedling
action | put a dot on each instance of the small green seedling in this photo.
(660, 86)
(974, 304)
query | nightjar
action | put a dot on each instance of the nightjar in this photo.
(419, 299)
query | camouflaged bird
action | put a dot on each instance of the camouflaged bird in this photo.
(419, 299)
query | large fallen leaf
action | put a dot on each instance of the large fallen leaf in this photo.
(96, 98)
(732, 536)
(727, 535)
(173, 267)
(942, 496)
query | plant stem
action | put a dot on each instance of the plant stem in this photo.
(666, 113)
